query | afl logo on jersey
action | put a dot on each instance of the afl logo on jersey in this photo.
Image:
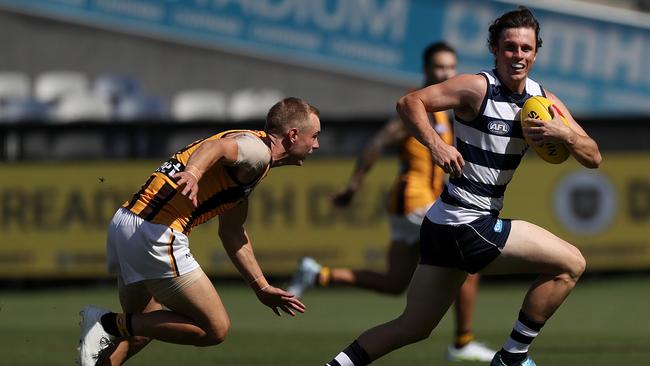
(498, 128)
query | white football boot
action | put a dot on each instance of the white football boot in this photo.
(304, 277)
(472, 351)
(94, 338)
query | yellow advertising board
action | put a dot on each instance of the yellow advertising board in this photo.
(53, 216)
(604, 212)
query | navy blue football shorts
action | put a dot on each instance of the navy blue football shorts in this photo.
(469, 247)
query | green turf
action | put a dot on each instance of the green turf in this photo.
(604, 322)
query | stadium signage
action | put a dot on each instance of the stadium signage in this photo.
(378, 19)
(57, 226)
(638, 199)
(585, 57)
(55, 209)
(585, 201)
(581, 59)
(58, 209)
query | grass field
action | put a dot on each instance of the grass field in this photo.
(604, 322)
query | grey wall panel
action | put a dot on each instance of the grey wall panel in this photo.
(34, 44)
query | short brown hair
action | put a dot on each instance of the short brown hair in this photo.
(520, 18)
(433, 49)
(288, 113)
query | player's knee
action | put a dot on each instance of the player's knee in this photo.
(472, 279)
(578, 264)
(420, 334)
(412, 331)
(216, 338)
(212, 338)
(138, 342)
(416, 333)
(214, 334)
(573, 266)
(218, 334)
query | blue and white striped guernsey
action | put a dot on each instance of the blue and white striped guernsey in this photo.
(492, 146)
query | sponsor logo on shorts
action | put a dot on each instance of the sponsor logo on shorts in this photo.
(498, 226)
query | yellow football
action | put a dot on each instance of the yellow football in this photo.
(537, 107)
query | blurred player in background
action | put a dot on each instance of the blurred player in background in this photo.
(147, 245)
(462, 232)
(417, 186)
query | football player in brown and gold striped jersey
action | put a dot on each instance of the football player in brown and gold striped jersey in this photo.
(148, 249)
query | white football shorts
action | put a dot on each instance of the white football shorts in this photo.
(406, 228)
(139, 250)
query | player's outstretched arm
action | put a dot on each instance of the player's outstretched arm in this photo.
(211, 151)
(240, 250)
(393, 132)
(583, 148)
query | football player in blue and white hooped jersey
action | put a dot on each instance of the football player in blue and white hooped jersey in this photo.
(462, 232)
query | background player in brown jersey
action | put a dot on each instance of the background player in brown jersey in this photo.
(163, 291)
(418, 185)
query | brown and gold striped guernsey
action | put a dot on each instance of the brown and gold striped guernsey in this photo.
(160, 201)
(419, 182)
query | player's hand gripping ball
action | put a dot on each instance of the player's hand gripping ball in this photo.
(537, 107)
